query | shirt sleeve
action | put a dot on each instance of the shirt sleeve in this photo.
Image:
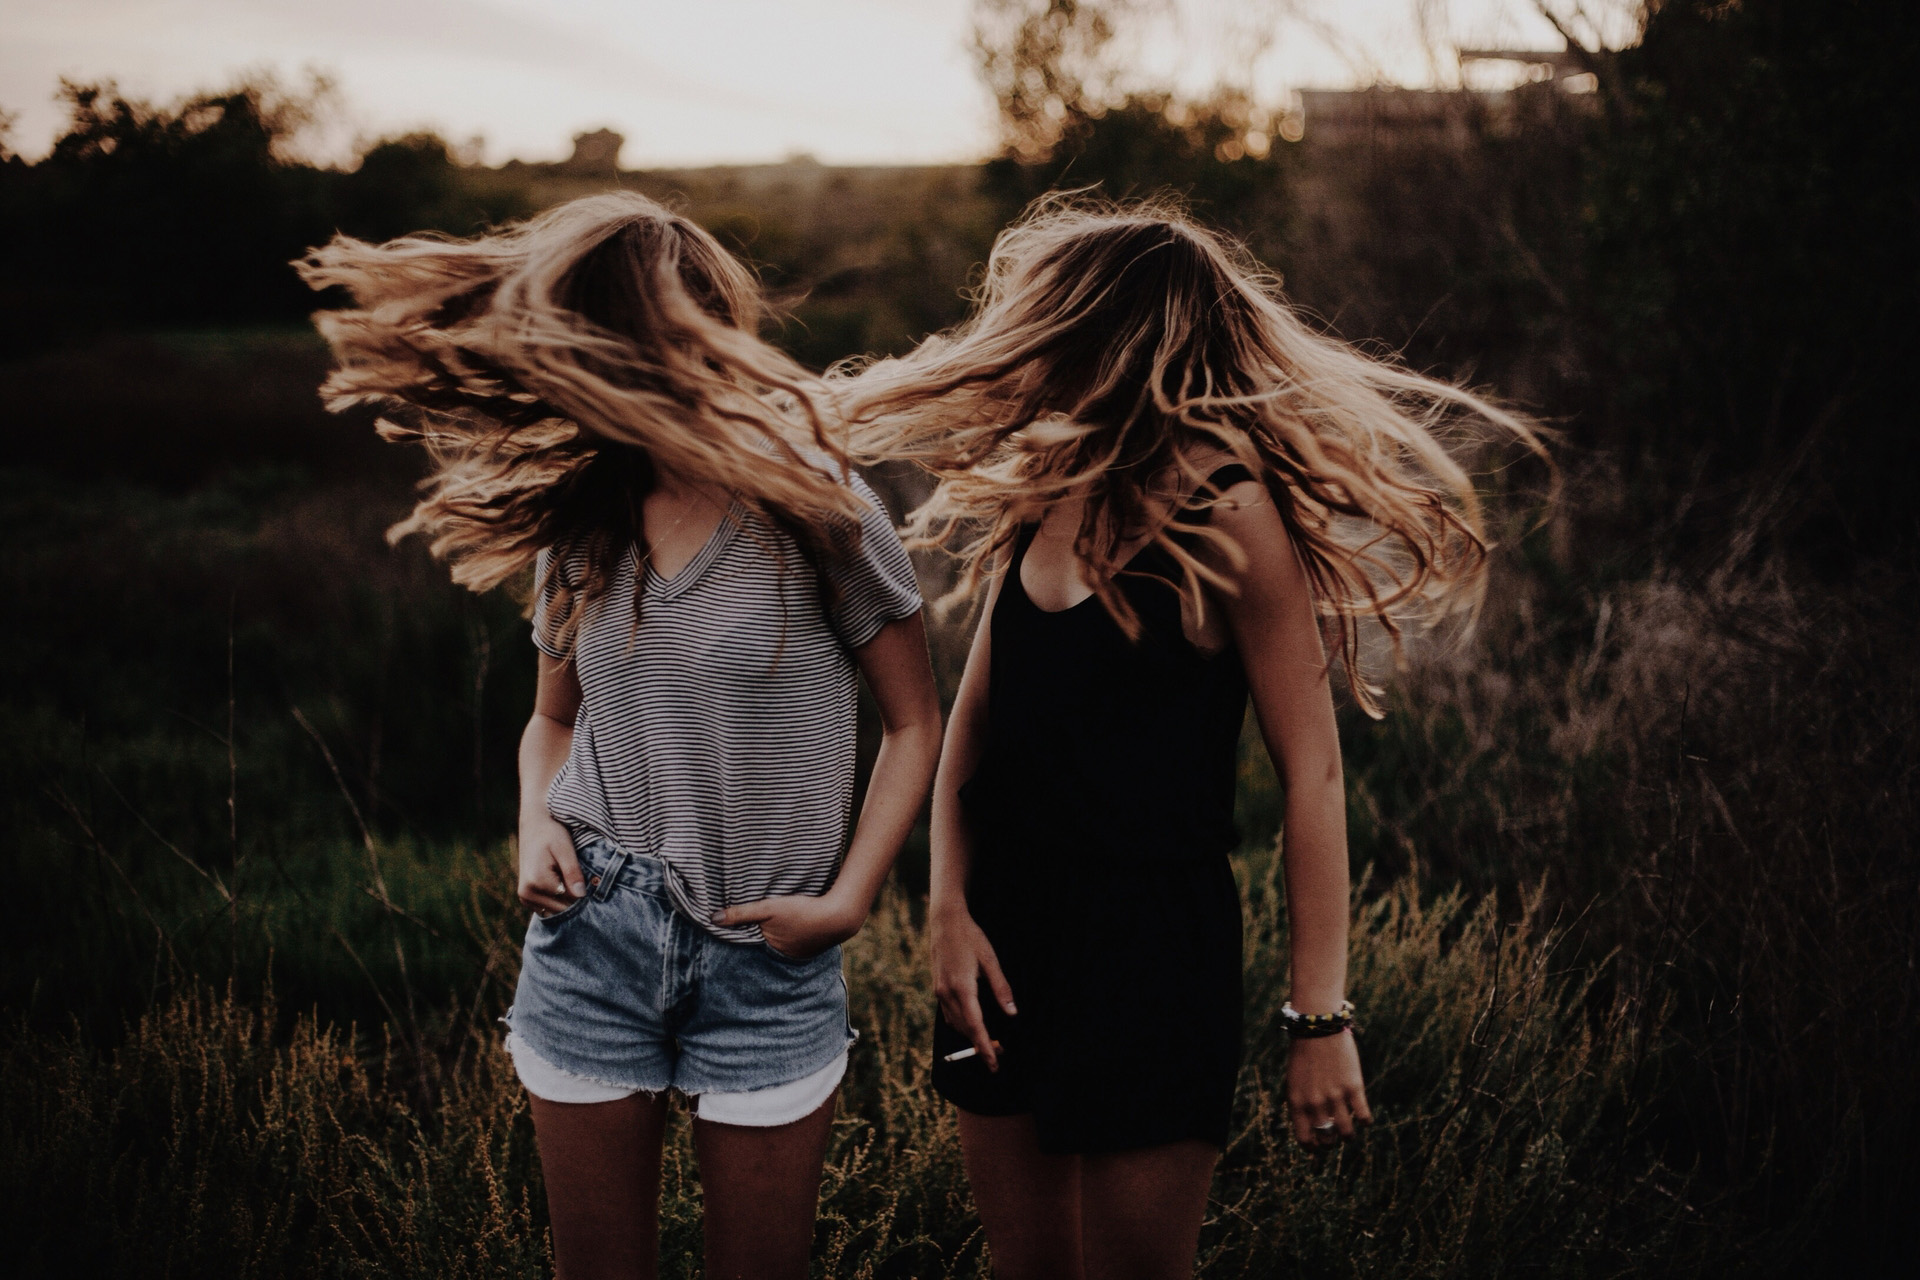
(546, 621)
(874, 582)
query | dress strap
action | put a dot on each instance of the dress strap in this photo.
(1022, 539)
(1216, 484)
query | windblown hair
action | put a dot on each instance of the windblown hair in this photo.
(1118, 354)
(551, 369)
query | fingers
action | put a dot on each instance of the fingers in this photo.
(960, 1006)
(1357, 1104)
(973, 1025)
(1326, 1122)
(1304, 1127)
(990, 965)
(745, 913)
(557, 883)
(567, 865)
(545, 898)
(1342, 1118)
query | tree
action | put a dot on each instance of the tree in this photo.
(1755, 257)
(1068, 118)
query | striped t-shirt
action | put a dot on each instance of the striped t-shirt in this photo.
(719, 736)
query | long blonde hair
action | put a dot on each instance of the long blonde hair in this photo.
(551, 369)
(1117, 353)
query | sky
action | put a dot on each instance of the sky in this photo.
(688, 81)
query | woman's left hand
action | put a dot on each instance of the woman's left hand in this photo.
(1325, 1094)
(798, 925)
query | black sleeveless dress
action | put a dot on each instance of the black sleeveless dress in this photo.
(1101, 818)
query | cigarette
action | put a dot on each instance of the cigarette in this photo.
(961, 1055)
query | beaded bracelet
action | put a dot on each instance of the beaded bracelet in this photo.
(1312, 1026)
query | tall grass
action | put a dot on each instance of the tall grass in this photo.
(1634, 939)
(209, 1142)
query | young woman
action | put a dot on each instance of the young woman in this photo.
(1172, 484)
(710, 577)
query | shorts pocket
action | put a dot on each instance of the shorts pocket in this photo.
(792, 962)
(560, 917)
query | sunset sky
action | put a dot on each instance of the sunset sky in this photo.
(687, 81)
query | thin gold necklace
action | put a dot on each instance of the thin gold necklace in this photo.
(702, 500)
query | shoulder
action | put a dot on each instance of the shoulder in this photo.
(1246, 515)
(1229, 487)
(864, 491)
(552, 570)
(842, 473)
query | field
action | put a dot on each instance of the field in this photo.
(1624, 856)
(1634, 921)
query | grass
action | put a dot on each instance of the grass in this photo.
(1634, 932)
(213, 1139)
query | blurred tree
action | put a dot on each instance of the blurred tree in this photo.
(1754, 230)
(145, 214)
(413, 183)
(187, 214)
(1218, 155)
(1047, 64)
(1068, 120)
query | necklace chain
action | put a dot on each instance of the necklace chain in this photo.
(701, 500)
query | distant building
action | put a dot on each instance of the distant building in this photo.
(597, 152)
(1347, 117)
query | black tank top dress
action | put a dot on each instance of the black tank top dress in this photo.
(1101, 820)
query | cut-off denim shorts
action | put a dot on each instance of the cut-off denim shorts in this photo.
(623, 990)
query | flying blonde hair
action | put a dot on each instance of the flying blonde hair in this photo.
(552, 368)
(1120, 353)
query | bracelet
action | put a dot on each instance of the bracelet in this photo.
(1312, 1026)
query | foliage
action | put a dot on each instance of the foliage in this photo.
(1634, 848)
(206, 1142)
(1754, 255)
(188, 213)
(1148, 144)
(1636, 955)
(1047, 65)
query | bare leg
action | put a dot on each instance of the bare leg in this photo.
(1029, 1200)
(601, 1161)
(1141, 1210)
(761, 1191)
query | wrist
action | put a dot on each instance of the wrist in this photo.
(946, 910)
(848, 909)
(1316, 1026)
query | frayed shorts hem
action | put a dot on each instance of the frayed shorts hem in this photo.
(755, 1108)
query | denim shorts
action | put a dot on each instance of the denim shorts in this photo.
(622, 989)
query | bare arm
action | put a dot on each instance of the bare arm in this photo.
(549, 867)
(961, 952)
(896, 668)
(966, 734)
(1274, 624)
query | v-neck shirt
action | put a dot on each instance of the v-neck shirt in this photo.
(717, 735)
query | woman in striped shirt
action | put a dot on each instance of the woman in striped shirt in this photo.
(711, 582)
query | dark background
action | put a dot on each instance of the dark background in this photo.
(1683, 730)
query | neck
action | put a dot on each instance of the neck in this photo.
(678, 490)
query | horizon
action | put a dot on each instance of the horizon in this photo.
(846, 83)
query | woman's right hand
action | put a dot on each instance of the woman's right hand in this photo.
(961, 954)
(550, 878)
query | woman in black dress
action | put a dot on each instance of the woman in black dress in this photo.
(1178, 493)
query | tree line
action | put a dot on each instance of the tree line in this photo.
(1711, 280)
